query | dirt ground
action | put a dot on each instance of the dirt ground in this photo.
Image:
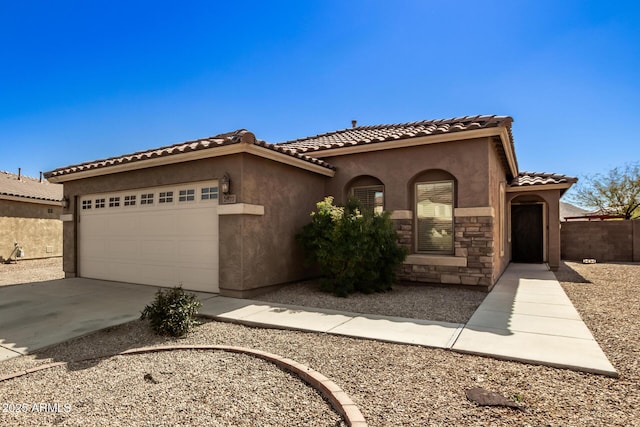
(28, 271)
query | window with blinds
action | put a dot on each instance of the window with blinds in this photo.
(434, 216)
(371, 197)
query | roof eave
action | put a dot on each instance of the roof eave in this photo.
(25, 199)
(192, 155)
(563, 186)
(500, 131)
(507, 145)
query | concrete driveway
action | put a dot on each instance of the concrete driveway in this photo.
(36, 315)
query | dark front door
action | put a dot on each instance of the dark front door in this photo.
(526, 233)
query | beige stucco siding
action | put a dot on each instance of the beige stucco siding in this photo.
(467, 161)
(36, 227)
(497, 183)
(270, 254)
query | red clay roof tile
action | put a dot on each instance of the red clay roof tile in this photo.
(363, 135)
(224, 139)
(541, 178)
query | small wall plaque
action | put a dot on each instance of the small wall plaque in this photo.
(228, 198)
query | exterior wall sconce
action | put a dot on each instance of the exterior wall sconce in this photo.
(65, 202)
(225, 184)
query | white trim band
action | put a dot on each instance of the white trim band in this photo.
(480, 211)
(444, 260)
(240, 209)
(401, 214)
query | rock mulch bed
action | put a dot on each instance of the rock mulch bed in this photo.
(28, 271)
(432, 302)
(392, 384)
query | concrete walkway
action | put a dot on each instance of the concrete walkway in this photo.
(526, 317)
(383, 328)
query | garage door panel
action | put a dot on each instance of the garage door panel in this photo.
(159, 223)
(97, 267)
(94, 225)
(126, 224)
(195, 252)
(152, 243)
(94, 248)
(157, 250)
(122, 248)
(160, 274)
(198, 222)
(199, 276)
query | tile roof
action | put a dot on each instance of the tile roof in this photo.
(29, 188)
(540, 178)
(363, 135)
(224, 139)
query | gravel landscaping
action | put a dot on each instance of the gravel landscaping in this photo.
(392, 384)
(28, 271)
(441, 303)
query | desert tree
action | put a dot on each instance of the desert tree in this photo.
(616, 192)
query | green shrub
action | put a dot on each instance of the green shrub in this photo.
(355, 249)
(172, 312)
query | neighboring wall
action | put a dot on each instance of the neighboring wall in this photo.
(603, 240)
(36, 227)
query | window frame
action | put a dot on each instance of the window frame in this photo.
(114, 201)
(130, 200)
(374, 188)
(165, 197)
(147, 199)
(209, 193)
(186, 195)
(416, 233)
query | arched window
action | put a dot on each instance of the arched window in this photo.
(434, 198)
(369, 191)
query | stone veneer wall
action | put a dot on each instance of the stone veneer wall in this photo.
(473, 240)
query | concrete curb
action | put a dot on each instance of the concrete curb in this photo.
(338, 399)
(30, 370)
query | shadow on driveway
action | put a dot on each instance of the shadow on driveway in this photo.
(35, 316)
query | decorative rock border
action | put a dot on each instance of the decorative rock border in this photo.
(339, 400)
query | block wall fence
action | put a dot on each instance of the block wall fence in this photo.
(604, 241)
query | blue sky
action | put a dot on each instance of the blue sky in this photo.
(83, 80)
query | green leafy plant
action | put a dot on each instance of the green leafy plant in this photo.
(172, 312)
(355, 249)
(518, 398)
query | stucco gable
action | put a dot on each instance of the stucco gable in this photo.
(391, 136)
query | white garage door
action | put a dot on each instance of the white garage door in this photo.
(162, 236)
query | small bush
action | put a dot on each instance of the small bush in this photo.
(172, 312)
(355, 249)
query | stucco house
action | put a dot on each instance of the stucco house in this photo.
(30, 212)
(220, 214)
